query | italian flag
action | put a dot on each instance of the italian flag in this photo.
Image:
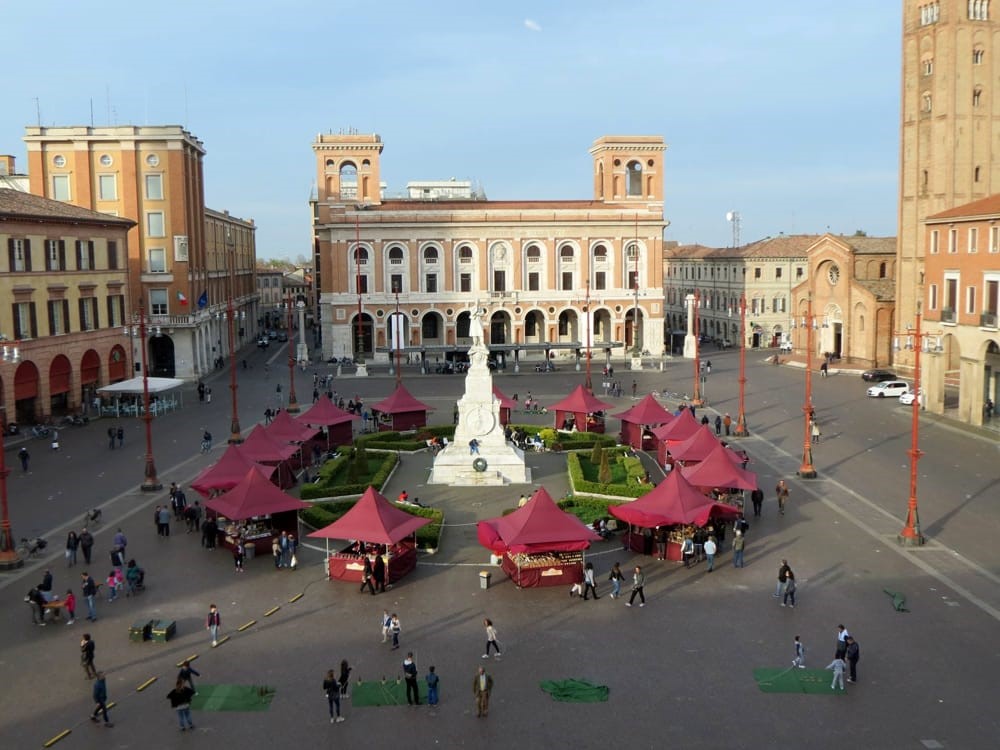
(181, 298)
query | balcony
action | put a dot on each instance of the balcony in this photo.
(988, 320)
(948, 315)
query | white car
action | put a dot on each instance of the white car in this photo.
(786, 346)
(907, 399)
(892, 388)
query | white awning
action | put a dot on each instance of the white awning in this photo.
(156, 385)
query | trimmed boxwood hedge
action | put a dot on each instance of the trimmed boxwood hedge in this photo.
(588, 509)
(325, 487)
(323, 514)
(581, 485)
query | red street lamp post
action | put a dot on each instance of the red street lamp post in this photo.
(235, 432)
(696, 399)
(9, 558)
(293, 404)
(741, 420)
(150, 482)
(918, 342)
(590, 327)
(806, 470)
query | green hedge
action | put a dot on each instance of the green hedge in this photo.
(581, 485)
(323, 514)
(587, 509)
(327, 487)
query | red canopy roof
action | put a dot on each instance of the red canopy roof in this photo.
(580, 400)
(538, 526)
(647, 412)
(259, 446)
(696, 447)
(400, 402)
(672, 501)
(505, 402)
(373, 519)
(718, 469)
(284, 429)
(255, 495)
(227, 472)
(323, 412)
(680, 428)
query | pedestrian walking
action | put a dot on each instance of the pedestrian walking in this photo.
(163, 525)
(208, 395)
(89, 591)
(783, 570)
(482, 686)
(378, 572)
(814, 430)
(368, 575)
(72, 543)
(718, 423)
(25, 458)
(708, 367)
(687, 550)
(345, 678)
(432, 686)
(616, 578)
(491, 638)
(589, 585)
(394, 628)
(789, 597)
(99, 692)
(206, 441)
(185, 675)
(239, 555)
(213, 623)
(86, 545)
(727, 423)
(180, 701)
(853, 655)
(842, 636)
(757, 499)
(638, 583)
(120, 434)
(739, 542)
(332, 689)
(838, 666)
(87, 648)
(824, 368)
(711, 547)
(781, 490)
(69, 604)
(800, 654)
(386, 625)
(276, 552)
(410, 677)
(634, 387)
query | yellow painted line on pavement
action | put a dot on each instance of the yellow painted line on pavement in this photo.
(272, 610)
(295, 598)
(190, 658)
(222, 640)
(248, 625)
(54, 740)
(146, 684)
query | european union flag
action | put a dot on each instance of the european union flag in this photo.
(203, 299)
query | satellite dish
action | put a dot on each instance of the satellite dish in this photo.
(730, 215)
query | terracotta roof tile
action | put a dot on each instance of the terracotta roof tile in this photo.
(987, 206)
(883, 289)
(17, 205)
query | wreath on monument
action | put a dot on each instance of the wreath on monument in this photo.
(479, 465)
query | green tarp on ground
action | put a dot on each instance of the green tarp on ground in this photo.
(898, 600)
(232, 698)
(388, 693)
(575, 691)
(794, 680)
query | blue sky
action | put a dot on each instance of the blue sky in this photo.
(785, 111)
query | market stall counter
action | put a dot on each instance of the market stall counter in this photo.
(349, 565)
(547, 569)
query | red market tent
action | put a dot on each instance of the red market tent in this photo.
(672, 501)
(227, 472)
(262, 448)
(285, 429)
(676, 431)
(507, 405)
(403, 410)
(698, 446)
(721, 468)
(339, 430)
(538, 526)
(638, 421)
(581, 408)
(255, 495)
(375, 520)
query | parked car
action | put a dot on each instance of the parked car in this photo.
(262, 342)
(877, 376)
(545, 366)
(893, 388)
(786, 347)
(282, 336)
(906, 399)
(272, 335)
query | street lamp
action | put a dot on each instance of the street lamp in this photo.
(741, 420)
(9, 559)
(917, 342)
(232, 315)
(150, 483)
(293, 404)
(396, 333)
(696, 399)
(806, 470)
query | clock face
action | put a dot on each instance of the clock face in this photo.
(480, 421)
(833, 274)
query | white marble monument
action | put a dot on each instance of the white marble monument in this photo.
(497, 461)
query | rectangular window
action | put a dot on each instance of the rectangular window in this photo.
(58, 317)
(107, 187)
(633, 280)
(600, 280)
(499, 281)
(85, 255)
(112, 255)
(60, 187)
(116, 310)
(158, 301)
(757, 273)
(154, 187)
(970, 300)
(950, 301)
(799, 272)
(154, 224)
(157, 260)
(25, 322)
(567, 281)
(396, 283)
(934, 242)
(777, 272)
(533, 281)
(18, 254)
(973, 239)
(431, 283)
(932, 297)
(995, 239)
(989, 317)
(88, 314)
(55, 255)
(362, 284)
(952, 240)
(465, 282)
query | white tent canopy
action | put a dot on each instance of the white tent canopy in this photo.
(134, 385)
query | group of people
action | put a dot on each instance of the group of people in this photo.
(283, 548)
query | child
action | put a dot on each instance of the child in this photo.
(432, 687)
(70, 607)
(576, 589)
(112, 584)
(838, 665)
(800, 654)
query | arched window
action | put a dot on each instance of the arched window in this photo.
(361, 256)
(465, 254)
(881, 270)
(600, 253)
(348, 180)
(396, 256)
(534, 254)
(430, 255)
(634, 178)
(566, 252)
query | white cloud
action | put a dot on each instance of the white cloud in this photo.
(531, 25)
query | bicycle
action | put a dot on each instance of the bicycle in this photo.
(31, 547)
(92, 517)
